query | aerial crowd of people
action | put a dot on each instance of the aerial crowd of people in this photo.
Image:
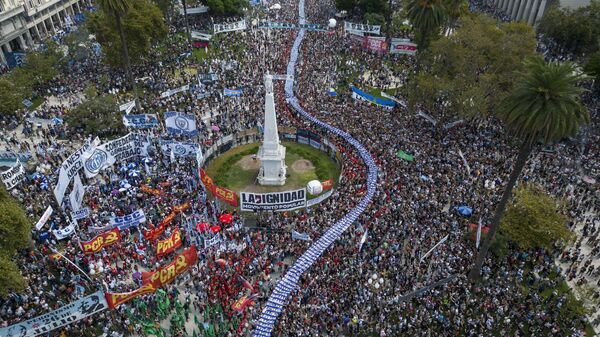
(359, 286)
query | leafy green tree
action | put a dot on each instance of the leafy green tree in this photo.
(374, 18)
(10, 277)
(97, 116)
(346, 5)
(166, 7)
(576, 31)
(592, 67)
(544, 107)
(426, 17)
(472, 70)
(11, 95)
(43, 66)
(15, 234)
(227, 7)
(534, 219)
(373, 6)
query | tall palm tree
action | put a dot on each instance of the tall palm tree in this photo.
(544, 107)
(118, 8)
(187, 25)
(427, 17)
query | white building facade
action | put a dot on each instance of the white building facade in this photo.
(25, 22)
(531, 11)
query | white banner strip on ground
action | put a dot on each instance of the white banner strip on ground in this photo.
(67, 314)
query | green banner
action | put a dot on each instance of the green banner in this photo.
(403, 155)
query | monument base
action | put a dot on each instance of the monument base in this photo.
(272, 167)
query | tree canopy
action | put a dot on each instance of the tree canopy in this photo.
(39, 69)
(576, 31)
(143, 25)
(469, 72)
(227, 7)
(98, 115)
(15, 234)
(534, 219)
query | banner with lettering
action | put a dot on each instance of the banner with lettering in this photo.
(147, 189)
(166, 274)
(168, 245)
(100, 241)
(65, 315)
(122, 222)
(142, 121)
(155, 232)
(117, 150)
(222, 193)
(403, 46)
(13, 176)
(276, 201)
(116, 299)
(327, 184)
(69, 169)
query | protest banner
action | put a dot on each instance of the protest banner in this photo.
(350, 27)
(142, 121)
(222, 193)
(13, 176)
(180, 149)
(276, 201)
(44, 218)
(120, 149)
(65, 315)
(179, 123)
(69, 169)
(100, 241)
(403, 46)
(168, 245)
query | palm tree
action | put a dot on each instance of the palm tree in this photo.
(187, 25)
(118, 8)
(544, 107)
(427, 17)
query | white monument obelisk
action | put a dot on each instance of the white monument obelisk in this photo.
(271, 154)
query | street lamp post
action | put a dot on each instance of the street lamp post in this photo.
(375, 283)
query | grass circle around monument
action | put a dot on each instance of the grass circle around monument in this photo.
(238, 168)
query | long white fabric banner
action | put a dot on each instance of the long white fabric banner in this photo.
(181, 149)
(44, 218)
(229, 27)
(64, 232)
(179, 123)
(13, 176)
(105, 155)
(76, 196)
(69, 169)
(68, 314)
(361, 28)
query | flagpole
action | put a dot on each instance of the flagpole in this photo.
(72, 263)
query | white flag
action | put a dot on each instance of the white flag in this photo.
(363, 239)
(478, 234)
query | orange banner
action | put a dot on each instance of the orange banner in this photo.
(222, 193)
(327, 184)
(207, 181)
(145, 188)
(242, 303)
(170, 244)
(100, 241)
(167, 274)
(116, 299)
(154, 233)
(157, 279)
(226, 195)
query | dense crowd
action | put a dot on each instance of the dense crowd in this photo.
(413, 209)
